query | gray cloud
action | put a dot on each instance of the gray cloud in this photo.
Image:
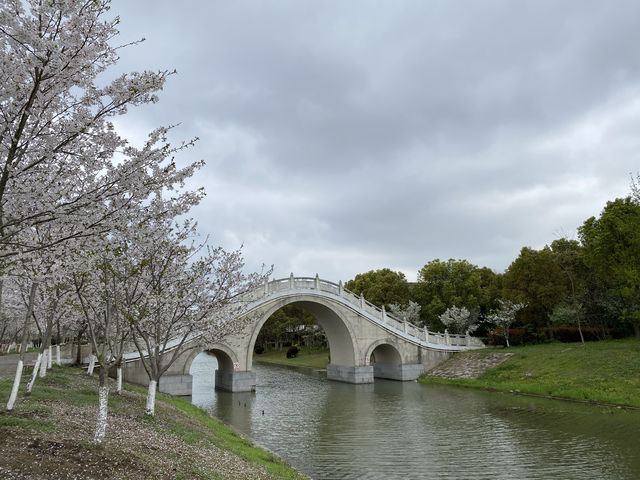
(345, 136)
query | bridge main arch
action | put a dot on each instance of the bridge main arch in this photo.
(337, 328)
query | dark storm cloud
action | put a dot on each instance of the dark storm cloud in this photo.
(344, 136)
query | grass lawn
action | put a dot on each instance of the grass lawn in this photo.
(315, 359)
(606, 371)
(49, 435)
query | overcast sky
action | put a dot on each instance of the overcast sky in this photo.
(345, 136)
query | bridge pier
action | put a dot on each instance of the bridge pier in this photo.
(175, 384)
(340, 373)
(403, 372)
(235, 381)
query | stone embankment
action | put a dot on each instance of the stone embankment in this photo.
(467, 365)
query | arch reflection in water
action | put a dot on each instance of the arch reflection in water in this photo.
(202, 370)
(389, 430)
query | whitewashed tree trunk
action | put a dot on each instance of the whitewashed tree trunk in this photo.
(23, 347)
(151, 398)
(43, 364)
(119, 387)
(16, 384)
(92, 364)
(101, 422)
(50, 357)
(34, 374)
(58, 362)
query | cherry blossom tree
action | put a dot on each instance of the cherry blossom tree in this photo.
(180, 292)
(57, 141)
(51, 308)
(409, 313)
(49, 268)
(505, 315)
(48, 272)
(458, 319)
(10, 312)
(23, 345)
(62, 161)
(98, 292)
(64, 166)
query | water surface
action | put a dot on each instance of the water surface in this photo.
(397, 430)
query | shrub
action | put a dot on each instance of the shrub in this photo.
(521, 336)
(258, 349)
(516, 337)
(571, 334)
(292, 352)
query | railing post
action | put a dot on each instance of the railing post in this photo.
(317, 282)
(404, 325)
(340, 288)
(447, 340)
(266, 286)
(291, 281)
(468, 338)
(426, 334)
(384, 315)
(362, 301)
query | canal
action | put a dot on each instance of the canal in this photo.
(402, 430)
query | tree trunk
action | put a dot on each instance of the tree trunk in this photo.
(119, 387)
(151, 398)
(16, 384)
(79, 351)
(23, 347)
(46, 347)
(58, 338)
(58, 362)
(580, 331)
(43, 363)
(92, 364)
(636, 328)
(103, 400)
(50, 356)
(4, 326)
(34, 374)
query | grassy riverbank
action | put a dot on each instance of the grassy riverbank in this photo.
(607, 371)
(48, 435)
(314, 359)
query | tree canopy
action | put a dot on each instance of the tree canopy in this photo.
(381, 287)
(612, 249)
(454, 283)
(536, 279)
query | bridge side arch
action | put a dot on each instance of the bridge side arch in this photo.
(330, 315)
(226, 357)
(386, 351)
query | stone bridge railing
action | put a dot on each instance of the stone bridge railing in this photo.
(412, 332)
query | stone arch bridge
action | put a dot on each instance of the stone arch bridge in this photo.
(355, 330)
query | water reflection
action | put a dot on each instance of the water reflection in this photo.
(406, 430)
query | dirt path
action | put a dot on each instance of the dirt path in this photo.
(8, 364)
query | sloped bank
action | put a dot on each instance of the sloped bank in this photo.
(603, 373)
(48, 436)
